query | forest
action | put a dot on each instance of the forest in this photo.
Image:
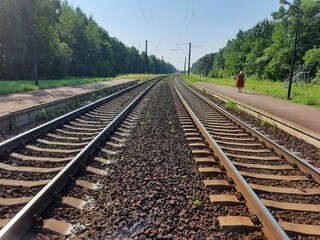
(49, 39)
(264, 51)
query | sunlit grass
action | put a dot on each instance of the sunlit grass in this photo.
(13, 86)
(308, 94)
(16, 86)
(28, 85)
(142, 77)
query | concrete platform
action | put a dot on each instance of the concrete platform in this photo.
(20, 108)
(291, 117)
(17, 101)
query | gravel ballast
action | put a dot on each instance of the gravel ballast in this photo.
(153, 190)
(154, 187)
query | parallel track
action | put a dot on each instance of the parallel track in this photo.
(36, 171)
(259, 185)
(279, 188)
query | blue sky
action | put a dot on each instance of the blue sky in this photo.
(207, 24)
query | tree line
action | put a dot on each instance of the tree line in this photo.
(50, 39)
(264, 51)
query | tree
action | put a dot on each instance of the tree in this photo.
(258, 38)
(218, 65)
(203, 65)
(50, 38)
(14, 37)
(265, 50)
(312, 60)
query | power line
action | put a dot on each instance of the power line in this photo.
(192, 15)
(184, 21)
(181, 49)
(152, 20)
(145, 18)
(190, 59)
(178, 45)
(137, 44)
(156, 48)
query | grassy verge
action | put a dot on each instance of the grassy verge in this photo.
(307, 94)
(142, 77)
(7, 87)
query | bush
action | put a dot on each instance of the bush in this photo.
(316, 80)
(312, 60)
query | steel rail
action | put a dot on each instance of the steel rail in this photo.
(23, 220)
(301, 163)
(223, 98)
(270, 226)
(13, 142)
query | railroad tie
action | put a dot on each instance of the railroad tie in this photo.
(237, 224)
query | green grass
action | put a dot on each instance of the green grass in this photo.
(7, 87)
(142, 77)
(231, 105)
(308, 94)
(196, 202)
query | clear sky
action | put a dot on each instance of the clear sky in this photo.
(207, 24)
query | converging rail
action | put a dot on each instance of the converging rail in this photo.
(294, 129)
(243, 167)
(53, 154)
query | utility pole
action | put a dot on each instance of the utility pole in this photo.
(189, 59)
(146, 69)
(35, 48)
(185, 62)
(162, 65)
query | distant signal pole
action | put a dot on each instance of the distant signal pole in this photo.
(146, 57)
(162, 65)
(185, 62)
(35, 43)
(189, 59)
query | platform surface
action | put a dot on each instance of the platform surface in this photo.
(299, 115)
(17, 101)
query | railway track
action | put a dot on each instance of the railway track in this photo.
(255, 184)
(247, 171)
(37, 164)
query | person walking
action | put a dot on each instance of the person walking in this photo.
(240, 81)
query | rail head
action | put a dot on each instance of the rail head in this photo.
(270, 226)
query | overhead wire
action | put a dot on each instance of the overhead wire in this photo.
(156, 48)
(186, 25)
(192, 15)
(183, 25)
(145, 18)
(181, 49)
(184, 21)
(152, 19)
(153, 23)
